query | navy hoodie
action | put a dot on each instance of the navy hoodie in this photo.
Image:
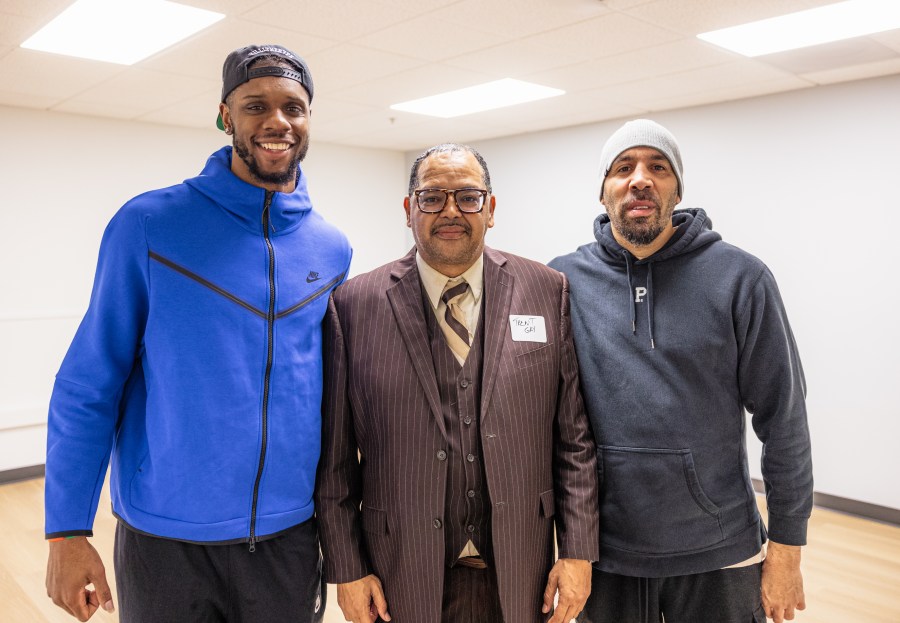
(198, 366)
(672, 350)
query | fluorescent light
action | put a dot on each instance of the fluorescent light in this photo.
(119, 31)
(497, 94)
(833, 22)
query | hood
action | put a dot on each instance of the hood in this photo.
(245, 202)
(694, 232)
(697, 233)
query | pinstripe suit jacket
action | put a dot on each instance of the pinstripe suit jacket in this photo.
(381, 486)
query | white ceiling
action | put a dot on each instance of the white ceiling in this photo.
(614, 58)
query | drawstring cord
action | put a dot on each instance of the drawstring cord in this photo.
(631, 303)
(650, 303)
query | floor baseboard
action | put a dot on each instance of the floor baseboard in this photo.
(21, 473)
(874, 512)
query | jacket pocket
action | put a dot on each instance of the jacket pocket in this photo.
(651, 502)
(534, 356)
(374, 521)
(548, 504)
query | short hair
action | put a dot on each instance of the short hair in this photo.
(448, 148)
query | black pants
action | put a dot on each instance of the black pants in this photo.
(723, 596)
(162, 581)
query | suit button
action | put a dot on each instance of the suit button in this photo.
(470, 458)
(468, 420)
(470, 493)
(441, 455)
(464, 383)
(470, 528)
(436, 523)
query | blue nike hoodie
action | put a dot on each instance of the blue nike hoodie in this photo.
(197, 368)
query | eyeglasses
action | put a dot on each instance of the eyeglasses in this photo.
(433, 200)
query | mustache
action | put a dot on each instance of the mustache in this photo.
(452, 223)
(645, 195)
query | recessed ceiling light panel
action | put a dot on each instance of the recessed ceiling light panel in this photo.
(833, 22)
(497, 94)
(119, 31)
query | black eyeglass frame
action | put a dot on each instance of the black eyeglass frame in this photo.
(447, 192)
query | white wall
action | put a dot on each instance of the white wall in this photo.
(63, 177)
(805, 180)
(776, 174)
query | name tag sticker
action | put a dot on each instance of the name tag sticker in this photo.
(528, 328)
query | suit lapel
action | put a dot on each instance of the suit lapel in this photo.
(405, 296)
(498, 288)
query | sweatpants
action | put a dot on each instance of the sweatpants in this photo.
(722, 596)
(162, 580)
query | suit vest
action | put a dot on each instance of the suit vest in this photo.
(467, 505)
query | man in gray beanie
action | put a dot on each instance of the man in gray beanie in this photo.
(677, 333)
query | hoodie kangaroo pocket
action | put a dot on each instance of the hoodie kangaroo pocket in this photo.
(651, 502)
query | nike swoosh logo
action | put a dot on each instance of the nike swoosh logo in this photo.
(310, 280)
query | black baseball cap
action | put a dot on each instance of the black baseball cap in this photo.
(235, 71)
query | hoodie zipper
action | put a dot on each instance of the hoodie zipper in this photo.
(270, 340)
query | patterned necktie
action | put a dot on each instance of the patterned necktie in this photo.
(454, 321)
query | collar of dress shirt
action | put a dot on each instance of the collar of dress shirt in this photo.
(434, 281)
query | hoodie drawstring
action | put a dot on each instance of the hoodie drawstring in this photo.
(650, 303)
(632, 302)
(631, 297)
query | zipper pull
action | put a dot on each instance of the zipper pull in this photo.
(252, 544)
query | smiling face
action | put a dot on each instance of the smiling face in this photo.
(640, 193)
(270, 120)
(450, 241)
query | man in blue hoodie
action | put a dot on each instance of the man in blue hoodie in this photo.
(677, 333)
(196, 374)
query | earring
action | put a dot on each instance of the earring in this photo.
(228, 129)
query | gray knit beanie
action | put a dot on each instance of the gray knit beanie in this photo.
(641, 133)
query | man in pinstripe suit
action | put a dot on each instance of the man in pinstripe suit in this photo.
(455, 438)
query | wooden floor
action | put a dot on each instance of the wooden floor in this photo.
(851, 567)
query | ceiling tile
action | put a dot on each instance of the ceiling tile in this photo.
(227, 7)
(607, 35)
(42, 11)
(692, 17)
(141, 91)
(9, 97)
(14, 29)
(327, 109)
(418, 6)
(413, 83)
(196, 111)
(719, 78)
(856, 72)
(345, 20)
(52, 75)
(429, 38)
(664, 102)
(516, 18)
(644, 64)
(204, 54)
(829, 56)
(349, 65)
(890, 38)
(514, 59)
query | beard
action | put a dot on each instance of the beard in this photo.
(644, 230)
(287, 176)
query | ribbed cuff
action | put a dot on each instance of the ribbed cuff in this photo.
(66, 533)
(787, 530)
